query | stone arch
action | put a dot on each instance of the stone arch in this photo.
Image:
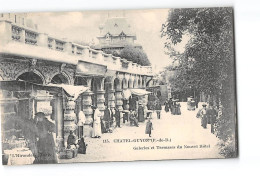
(60, 78)
(31, 76)
(117, 84)
(135, 85)
(139, 83)
(124, 83)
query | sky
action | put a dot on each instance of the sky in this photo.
(83, 26)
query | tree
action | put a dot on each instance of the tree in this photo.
(207, 64)
(135, 55)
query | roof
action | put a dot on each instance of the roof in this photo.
(115, 26)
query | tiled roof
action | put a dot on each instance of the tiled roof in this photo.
(115, 26)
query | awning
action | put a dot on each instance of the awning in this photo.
(139, 92)
(71, 90)
(25, 86)
(126, 94)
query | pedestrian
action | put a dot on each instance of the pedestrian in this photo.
(133, 119)
(117, 117)
(149, 127)
(196, 102)
(212, 117)
(178, 108)
(158, 108)
(45, 143)
(170, 104)
(107, 120)
(71, 139)
(97, 123)
(203, 116)
(81, 122)
(174, 108)
(140, 113)
(166, 105)
(82, 146)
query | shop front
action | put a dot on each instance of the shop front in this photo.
(37, 120)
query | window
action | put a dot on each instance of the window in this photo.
(108, 37)
(122, 36)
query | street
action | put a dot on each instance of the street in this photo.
(174, 137)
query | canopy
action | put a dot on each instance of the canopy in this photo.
(139, 92)
(71, 90)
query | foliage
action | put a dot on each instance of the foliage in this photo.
(131, 53)
(207, 64)
(135, 55)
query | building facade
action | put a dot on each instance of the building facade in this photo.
(43, 61)
(115, 34)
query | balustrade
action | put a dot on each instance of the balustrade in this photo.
(31, 36)
(16, 33)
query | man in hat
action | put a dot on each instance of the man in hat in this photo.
(158, 108)
(174, 107)
(117, 117)
(108, 115)
(133, 119)
(212, 116)
(170, 104)
(149, 127)
(203, 116)
(45, 143)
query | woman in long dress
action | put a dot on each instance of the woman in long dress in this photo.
(166, 108)
(203, 114)
(97, 124)
(178, 108)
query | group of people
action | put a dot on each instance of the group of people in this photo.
(73, 143)
(208, 116)
(173, 105)
(105, 124)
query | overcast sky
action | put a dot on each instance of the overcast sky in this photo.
(84, 26)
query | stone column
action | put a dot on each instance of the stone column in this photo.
(87, 102)
(111, 98)
(101, 96)
(22, 34)
(69, 119)
(5, 32)
(68, 47)
(118, 95)
(42, 40)
(59, 120)
(125, 86)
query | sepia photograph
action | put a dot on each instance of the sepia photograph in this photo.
(118, 85)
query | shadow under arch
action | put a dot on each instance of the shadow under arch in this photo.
(31, 77)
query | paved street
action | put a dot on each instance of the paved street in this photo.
(169, 133)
